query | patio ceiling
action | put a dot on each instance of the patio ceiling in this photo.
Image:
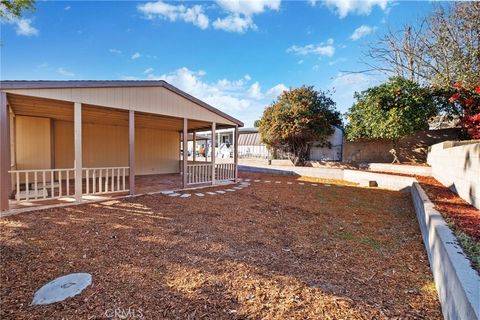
(62, 110)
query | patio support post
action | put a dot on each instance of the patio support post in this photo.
(5, 152)
(194, 146)
(185, 151)
(235, 152)
(213, 152)
(131, 151)
(77, 129)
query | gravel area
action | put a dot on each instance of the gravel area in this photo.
(273, 250)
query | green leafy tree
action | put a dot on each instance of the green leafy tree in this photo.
(256, 123)
(13, 8)
(298, 118)
(390, 111)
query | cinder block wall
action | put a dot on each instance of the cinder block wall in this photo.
(456, 164)
(413, 148)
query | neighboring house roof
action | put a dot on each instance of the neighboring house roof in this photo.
(247, 130)
(249, 138)
(47, 84)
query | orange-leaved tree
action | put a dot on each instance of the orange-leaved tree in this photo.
(297, 119)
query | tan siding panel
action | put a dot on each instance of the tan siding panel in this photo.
(104, 146)
(156, 151)
(156, 100)
(33, 143)
(63, 137)
(107, 146)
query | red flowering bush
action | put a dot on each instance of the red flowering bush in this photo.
(468, 100)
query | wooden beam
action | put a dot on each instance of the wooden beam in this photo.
(77, 129)
(5, 152)
(213, 152)
(185, 151)
(131, 151)
(235, 152)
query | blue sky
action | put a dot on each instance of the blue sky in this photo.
(236, 55)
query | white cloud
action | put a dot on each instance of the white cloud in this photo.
(65, 72)
(345, 85)
(148, 70)
(159, 9)
(255, 91)
(135, 56)
(24, 27)
(300, 61)
(239, 16)
(241, 12)
(361, 32)
(235, 23)
(67, 8)
(345, 7)
(323, 49)
(249, 7)
(116, 51)
(313, 3)
(276, 90)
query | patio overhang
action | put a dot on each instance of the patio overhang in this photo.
(94, 127)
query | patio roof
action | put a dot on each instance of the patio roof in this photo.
(22, 87)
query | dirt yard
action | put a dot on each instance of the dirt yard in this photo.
(269, 251)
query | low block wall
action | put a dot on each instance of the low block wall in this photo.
(386, 181)
(326, 173)
(456, 164)
(265, 170)
(413, 148)
(405, 169)
(458, 285)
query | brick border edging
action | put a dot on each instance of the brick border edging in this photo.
(457, 283)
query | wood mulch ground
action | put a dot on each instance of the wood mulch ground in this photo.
(269, 251)
(462, 214)
(457, 211)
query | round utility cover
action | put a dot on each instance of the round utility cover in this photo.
(62, 288)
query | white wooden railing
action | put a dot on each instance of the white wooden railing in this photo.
(42, 183)
(105, 180)
(224, 171)
(199, 173)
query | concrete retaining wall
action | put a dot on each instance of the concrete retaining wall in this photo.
(386, 181)
(456, 164)
(396, 168)
(326, 173)
(458, 285)
(362, 177)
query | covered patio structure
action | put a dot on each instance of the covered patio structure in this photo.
(76, 140)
